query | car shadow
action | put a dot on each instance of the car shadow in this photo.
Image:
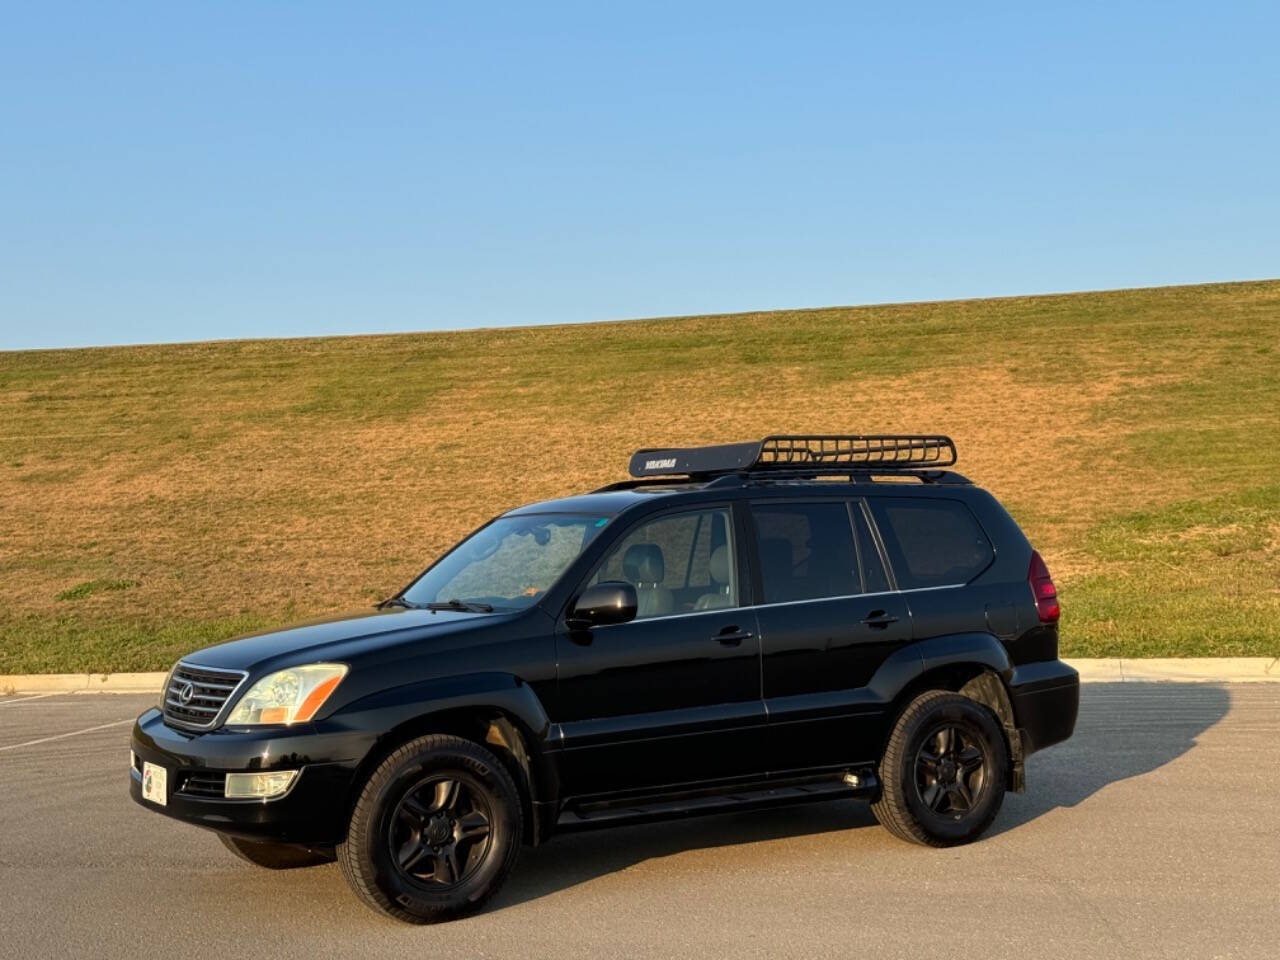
(1124, 731)
(575, 858)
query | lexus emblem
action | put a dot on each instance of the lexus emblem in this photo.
(186, 692)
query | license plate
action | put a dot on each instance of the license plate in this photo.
(155, 782)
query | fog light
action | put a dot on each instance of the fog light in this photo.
(259, 785)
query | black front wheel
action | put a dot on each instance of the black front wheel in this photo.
(435, 831)
(944, 771)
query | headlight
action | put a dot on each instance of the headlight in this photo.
(288, 696)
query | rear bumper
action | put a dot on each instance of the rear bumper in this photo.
(313, 811)
(1046, 701)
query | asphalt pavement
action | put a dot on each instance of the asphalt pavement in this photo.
(1154, 832)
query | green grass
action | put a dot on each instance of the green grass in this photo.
(90, 587)
(1194, 578)
(71, 644)
(156, 499)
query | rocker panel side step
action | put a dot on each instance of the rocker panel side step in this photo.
(858, 783)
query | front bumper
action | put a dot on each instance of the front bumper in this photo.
(1046, 701)
(313, 811)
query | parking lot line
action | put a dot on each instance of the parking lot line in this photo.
(63, 736)
(38, 696)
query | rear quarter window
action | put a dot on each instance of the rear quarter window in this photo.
(931, 542)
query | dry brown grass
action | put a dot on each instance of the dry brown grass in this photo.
(279, 478)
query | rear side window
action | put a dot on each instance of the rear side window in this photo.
(806, 551)
(931, 543)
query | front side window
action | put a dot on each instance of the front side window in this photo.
(931, 542)
(681, 563)
(510, 563)
(806, 551)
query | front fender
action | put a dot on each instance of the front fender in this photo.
(383, 713)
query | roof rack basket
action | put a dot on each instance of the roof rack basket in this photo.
(800, 453)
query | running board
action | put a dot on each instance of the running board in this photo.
(854, 784)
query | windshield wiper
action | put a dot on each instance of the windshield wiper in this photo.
(397, 602)
(468, 606)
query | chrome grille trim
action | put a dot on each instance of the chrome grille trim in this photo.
(215, 690)
(191, 706)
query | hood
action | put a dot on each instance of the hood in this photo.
(339, 638)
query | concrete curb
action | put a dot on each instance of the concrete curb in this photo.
(82, 683)
(1191, 670)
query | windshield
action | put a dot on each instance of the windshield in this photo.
(510, 563)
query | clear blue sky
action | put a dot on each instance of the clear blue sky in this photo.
(181, 170)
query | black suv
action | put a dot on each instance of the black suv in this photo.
(740, 626)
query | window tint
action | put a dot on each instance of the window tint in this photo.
(678, 564)
(931, 543)
(874, 578)
(806, 551)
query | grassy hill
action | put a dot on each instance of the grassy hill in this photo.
(153, 499)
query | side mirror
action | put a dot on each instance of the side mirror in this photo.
(610, 602)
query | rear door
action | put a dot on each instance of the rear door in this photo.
(672, 697)
(936, 547)
(828, 618)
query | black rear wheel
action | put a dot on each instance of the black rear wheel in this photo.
(950, 769)
(435, 831)
(943, 772)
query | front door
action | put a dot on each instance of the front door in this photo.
(827, 621)
(672, 697)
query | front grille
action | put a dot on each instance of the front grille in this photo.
(201, 706)
(199, 784)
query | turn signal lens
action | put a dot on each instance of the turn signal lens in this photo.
(1042, 588)
(288, 696)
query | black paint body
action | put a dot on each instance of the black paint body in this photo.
(655, 717)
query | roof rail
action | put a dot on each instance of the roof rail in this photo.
(808, 454)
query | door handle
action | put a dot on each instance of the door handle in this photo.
(878, 618)
(731, 636)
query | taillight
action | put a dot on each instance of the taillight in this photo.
(1043, 590)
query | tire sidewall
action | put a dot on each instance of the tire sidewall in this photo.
(976, 720)
(389, 785)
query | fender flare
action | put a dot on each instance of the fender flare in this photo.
(392, 710)
(907, 664)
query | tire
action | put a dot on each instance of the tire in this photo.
(435, 831)
(943, 772)
(274, 856)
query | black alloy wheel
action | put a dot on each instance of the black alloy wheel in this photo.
(951, 769)
(944, 771)
(441, 830)
(435, 830)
